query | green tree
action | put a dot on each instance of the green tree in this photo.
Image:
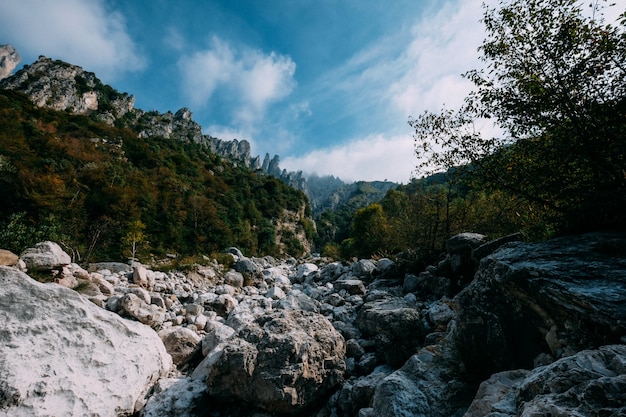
(555, 83)
(369, 230)
(135, 236)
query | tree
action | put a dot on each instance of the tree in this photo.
(555, 83)
(369, 230)
(134, 236)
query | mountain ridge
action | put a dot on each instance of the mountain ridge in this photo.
(62, 86)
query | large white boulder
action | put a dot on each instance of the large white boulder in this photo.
(61, 355)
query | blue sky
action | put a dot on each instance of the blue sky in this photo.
(328, 85)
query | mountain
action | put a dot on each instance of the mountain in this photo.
(74, 148)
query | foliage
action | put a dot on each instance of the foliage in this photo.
(73, 178)
(555, 83)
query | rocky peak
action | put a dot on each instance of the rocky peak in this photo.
(9, 58)
(61, 86)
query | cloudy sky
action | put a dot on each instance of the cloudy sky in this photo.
(328, 85)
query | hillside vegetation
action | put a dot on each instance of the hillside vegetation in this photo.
(107, 194)
(554, 83)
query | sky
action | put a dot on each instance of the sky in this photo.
(328, 85)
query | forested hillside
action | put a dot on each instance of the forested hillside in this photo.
(105, 193)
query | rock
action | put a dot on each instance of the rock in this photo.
(216, 333)
(45, 256)
(275, 293)
(9, 59)
(352, 286)
(142, 277)
(556, 297)
(234, 279)
(137, 308)
(396, 325)
(112, 267)
(427, 385)
(246, 266)
(180, 343)
(282, 362)
(589, 383)
(363, 268)
(359, 392)
(8, 258)
(175, 397)
(440, 313)
(62, 355)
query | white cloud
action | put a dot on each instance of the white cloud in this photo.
(371, 158)
(249, 77)
(443, 47)
(83, 32)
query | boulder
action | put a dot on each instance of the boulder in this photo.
(8, 258)
(282, 362)
(45, 256)
(180, 343)
(175, 397)
(62, 355)
(550, 298)
(590, 383)
(137, 308)
(396, 326)
(9, 58)
(352, 286)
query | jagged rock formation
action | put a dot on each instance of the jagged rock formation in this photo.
(9, 59)
(62, 86)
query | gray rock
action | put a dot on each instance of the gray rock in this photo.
(137, 308)
(282, 362)
(9, 59)
(556, 297)
(180, 343)
(175, 397)
(352, 286)
(62, 355)
(397, 326)
(45, 256)
(590, 383)
(234, 279)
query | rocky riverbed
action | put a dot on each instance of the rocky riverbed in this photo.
(497, 328)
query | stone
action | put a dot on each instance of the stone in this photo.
(137, 308)
(142, 278)
(8, 258)
(275, 293)
(180, 343)
(217, 333)
(283, 362)
(62, 355)
(45, 256)
(397, 326)
(234, 279)
(588, 383)
(9, 59)
(352, 286)
(555, 297)
(175, 397)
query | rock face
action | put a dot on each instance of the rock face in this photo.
(9, 58)
(553, 298)
(62, 355)
(62, 86)
(282, 362)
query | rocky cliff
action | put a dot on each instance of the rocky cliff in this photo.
(61, 86)
(539, 330)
